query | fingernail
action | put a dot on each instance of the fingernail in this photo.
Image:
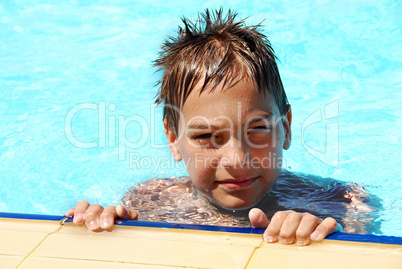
(300, 243)
(79, 217)
(314, 235)
(269, 239)
(283, 241)
(105, 223)
(92, 225)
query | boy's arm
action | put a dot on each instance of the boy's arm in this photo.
(97, 218)
(289, 226)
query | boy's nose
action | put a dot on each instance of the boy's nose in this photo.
(234, 154)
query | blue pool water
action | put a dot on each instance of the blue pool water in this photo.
(77, 119)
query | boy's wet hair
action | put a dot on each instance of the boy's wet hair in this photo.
(219, 50)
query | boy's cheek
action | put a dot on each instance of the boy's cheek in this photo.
(197, 168)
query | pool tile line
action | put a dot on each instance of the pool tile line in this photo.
(111, 263)
(250, 262)
(26, 258)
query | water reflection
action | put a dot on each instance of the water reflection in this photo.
(176, 200)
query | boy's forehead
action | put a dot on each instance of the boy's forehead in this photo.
(241, 98)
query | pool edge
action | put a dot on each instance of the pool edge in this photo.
(363, 238)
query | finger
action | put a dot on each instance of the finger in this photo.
(79, 213)
(107, 217)
(70, 212)
(124, 213)
(258, 218)
(272, 232)
(306, 227)
(92, 217)
(326, 227)
(289, 227)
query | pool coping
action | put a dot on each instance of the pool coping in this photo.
(363, 238)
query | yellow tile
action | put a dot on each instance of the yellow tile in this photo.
(41, 263)
(328, 254)
(171, 247)
(167, 234)
(7, 261)
(140, 247)
(20, 237)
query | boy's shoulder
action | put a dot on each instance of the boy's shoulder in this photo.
(158, 191)
(162, 185)
(349, 203)
(304, 179)
(305, 189)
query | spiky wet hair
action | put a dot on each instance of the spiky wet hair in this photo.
(216, 49)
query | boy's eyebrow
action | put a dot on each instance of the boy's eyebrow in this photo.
(202, 125)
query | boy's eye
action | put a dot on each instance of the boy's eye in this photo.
(208, 140)
(260, 129)
(202, 136)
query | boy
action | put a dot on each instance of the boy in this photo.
(226, 115)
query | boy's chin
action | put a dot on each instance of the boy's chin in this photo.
(233, 205)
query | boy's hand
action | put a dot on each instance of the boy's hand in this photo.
(289, 227)
(97, 218)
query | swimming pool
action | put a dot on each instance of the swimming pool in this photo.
(77, 118)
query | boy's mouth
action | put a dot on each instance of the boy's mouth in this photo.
(233, 184)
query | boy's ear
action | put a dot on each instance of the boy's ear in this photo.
(172, 139)
(287, 122)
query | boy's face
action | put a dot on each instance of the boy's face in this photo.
(231, 142)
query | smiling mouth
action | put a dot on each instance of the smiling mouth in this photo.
(233, 184)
